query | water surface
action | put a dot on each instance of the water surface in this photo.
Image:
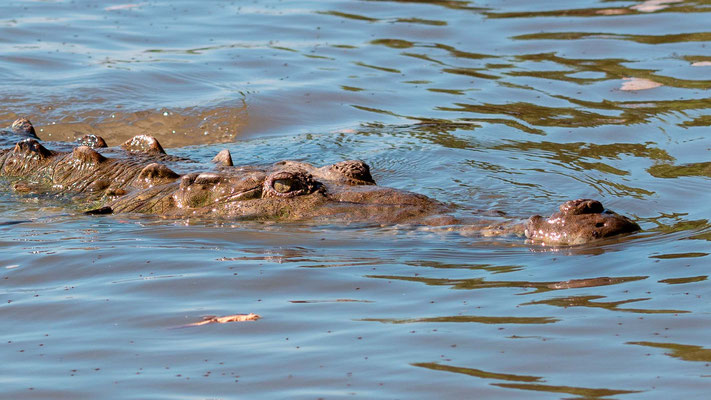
(509, 106)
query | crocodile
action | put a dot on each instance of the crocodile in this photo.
(138, 180)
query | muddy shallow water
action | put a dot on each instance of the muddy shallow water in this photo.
(508, 106)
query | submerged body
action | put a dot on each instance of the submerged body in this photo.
(139, 182)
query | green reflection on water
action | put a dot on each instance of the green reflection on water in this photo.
(384, 69)
(682, 351)
(646, 39)
(284, 48)
(571, 153)
(473, 72)
(536, 114)
(431, 130)
(348, 16)
(454, 52)
(422, 21)
(479, 373)
(508, 122)
(613, 68)
(702, 236)
(629, 113)
(691, 279)
(540, 287)
(496, 269)
(580, 12)
(586, 393)
(423, 57)
(200, 50)
(634, 9)
(468, 318)
(635, 112)
(393, 43)
(452, 4)
(704, 120)
(448, 91)
(572, 156)
(699, 229)
(319, 57)
(675, 171)
(587, 301)
(602, 167)
(694, 59)
(681, 225)
(351, 88)
(679, 255)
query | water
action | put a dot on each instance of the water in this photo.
(510, 106)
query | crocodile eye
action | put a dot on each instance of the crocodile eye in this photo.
(289, 184)
(284, 185)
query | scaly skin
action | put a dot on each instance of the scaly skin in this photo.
(578, 221)
(286, 191)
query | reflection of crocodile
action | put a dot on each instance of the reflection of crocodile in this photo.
(286, 191)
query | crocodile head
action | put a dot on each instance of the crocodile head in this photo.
(284, 191)
(578, 221)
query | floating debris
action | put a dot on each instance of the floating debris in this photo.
(654, 5)
(122, 7)
(634, 84)
(212, 319)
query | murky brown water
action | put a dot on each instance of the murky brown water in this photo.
(510, 106)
